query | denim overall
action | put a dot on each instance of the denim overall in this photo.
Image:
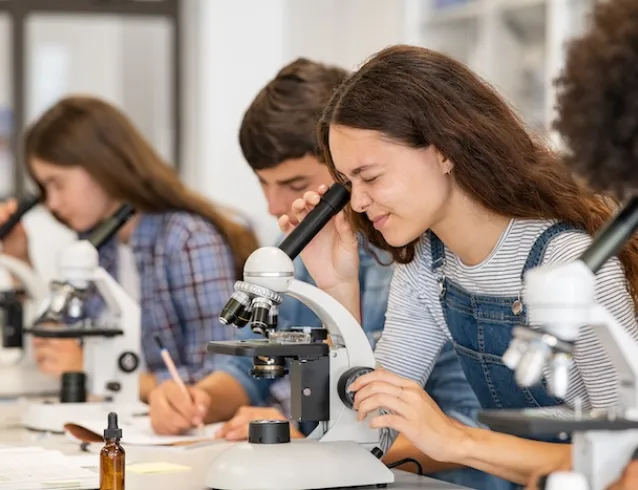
(481, 329)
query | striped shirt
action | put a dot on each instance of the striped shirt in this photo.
(415, 328)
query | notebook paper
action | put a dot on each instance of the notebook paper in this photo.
(137, 431)
(36, 469)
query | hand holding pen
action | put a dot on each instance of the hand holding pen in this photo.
(176, 408)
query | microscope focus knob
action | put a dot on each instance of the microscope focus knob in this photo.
(269, 432)
(346, 380)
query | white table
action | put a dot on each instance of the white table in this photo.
(196, 458)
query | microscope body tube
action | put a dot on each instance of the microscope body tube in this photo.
(111, 226)
(25, 204)
(612, 236)
(333, 201)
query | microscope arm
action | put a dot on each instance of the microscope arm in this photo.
(114, 295)
(622, 349)
(337, 320)
(35, 287)
(351, 349)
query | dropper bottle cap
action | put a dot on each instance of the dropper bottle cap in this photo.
(112, 431)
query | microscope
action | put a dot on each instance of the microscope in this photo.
(341, 452)
(18, 306)
(111, 344)
(561, 300)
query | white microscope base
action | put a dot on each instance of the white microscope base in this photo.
(601, 456)
(24, 380)
(51, 417)
(302, 464)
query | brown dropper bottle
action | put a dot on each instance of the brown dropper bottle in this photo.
(112, 457)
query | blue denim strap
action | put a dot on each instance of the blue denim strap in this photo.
(539, 248)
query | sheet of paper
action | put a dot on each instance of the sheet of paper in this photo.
(157, 467)
(29, 468)
(137, 431)
(86, 460)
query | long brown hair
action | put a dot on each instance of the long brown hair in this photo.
(419, 97)
(90, 133)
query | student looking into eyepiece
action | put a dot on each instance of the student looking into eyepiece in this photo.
(446, 179)
(277, 137)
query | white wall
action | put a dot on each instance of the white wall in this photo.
(231, 49)
(241, 45)
(344, 32)
(126, 62)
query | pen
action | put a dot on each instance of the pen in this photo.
(170, 365)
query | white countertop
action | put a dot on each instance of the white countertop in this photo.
(196, 458)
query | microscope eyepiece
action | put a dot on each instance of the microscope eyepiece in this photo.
(111, 226)
(612, 237)
(25, 204)
(333, 201)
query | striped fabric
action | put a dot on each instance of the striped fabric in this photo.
(415, 328)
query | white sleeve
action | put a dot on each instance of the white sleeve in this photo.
(593, 378)
(411, 340)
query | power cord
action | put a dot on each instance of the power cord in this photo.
(408, 460)
(379, 454)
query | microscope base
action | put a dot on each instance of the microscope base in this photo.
(24, 380)
(51, 417)
(316, 465)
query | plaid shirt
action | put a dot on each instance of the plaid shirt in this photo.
(186, 273)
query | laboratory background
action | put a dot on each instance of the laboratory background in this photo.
(185, 72)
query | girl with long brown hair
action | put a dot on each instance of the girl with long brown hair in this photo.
(445, 177)
(87, 158)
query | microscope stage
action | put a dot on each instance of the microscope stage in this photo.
(69, 332)
(267, 348)
(546, 422)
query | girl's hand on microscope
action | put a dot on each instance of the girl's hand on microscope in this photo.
(236, 429)
(332, 257)
(411, 411)
(16, 243)
(173, 413)
(57, 356)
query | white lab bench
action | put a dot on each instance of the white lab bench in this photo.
(196, 458)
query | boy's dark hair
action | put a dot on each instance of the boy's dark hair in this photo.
(598, 99)
(280, 123)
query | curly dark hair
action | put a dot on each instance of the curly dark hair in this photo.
(419, 97)
(598, 99)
